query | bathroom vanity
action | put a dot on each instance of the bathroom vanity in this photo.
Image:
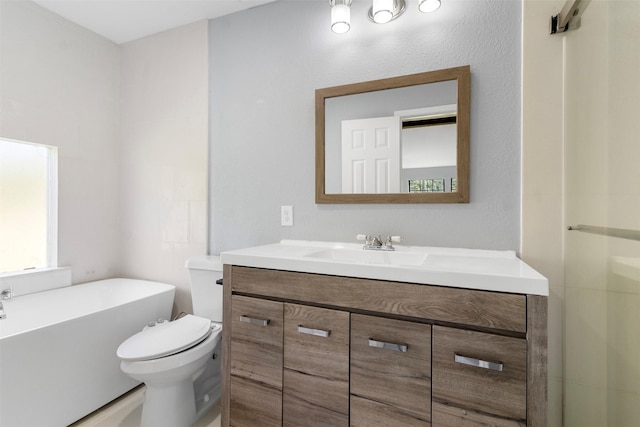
(327, 334)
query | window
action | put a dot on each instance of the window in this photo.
(28, 206)
(426, 185)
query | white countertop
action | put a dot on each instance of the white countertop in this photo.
(500, 271)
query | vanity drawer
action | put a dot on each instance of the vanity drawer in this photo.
(479, 372)
(391, 368)
(316, 341)
(257, 340)
(316, 362)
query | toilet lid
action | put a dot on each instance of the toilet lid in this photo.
(165, 338)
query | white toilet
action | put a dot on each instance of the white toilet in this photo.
(179, 361)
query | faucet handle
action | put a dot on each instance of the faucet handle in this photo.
(6, 294)
(361, 237)
(396, 239)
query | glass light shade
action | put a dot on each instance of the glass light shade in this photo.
(382, 11)
(429, 5)
(340, 18)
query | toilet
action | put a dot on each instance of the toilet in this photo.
(179, 361)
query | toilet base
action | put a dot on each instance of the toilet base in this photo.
(207, 386)
(169, 405)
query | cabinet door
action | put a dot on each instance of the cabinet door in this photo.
(316, 362)
(478, 378)
(256, 362)
(390, 372)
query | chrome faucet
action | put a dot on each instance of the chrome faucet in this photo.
(4, 295)
(376, 243)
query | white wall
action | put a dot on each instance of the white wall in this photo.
(131, 126)
(267, 62)
(59, 86)
(163, 156)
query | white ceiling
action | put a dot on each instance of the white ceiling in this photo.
(122, 21)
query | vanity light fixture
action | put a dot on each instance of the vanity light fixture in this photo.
(380, 12)
(427, 6)
(340, 15)
(383, 11)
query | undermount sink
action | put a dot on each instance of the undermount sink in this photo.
(361, 256)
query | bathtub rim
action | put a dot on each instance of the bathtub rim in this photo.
(8, 335)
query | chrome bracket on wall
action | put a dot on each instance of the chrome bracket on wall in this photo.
(569, 16)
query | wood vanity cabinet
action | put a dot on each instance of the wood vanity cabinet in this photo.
(317, 350)
(390, 372)
(316, 367)
(256, 362)
(478, 378)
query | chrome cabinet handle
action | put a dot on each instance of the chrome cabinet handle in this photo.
(494, 366)
(388, 345)
(314, 332)
(254, 321)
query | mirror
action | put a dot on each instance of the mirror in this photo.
(397, 140)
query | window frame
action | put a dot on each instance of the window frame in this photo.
(52, 206)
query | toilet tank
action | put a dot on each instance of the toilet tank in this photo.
(206, 295)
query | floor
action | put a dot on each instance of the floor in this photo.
(126, 411)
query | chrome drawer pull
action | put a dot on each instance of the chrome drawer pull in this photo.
(253, 321)
(388, 345)
(494, 366)
(314, 332)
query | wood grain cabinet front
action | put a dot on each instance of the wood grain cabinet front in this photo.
(302, 349)
(390, 372)
(478, 378)
(316, 367)
(256, 362)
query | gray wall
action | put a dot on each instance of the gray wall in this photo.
(265, 64)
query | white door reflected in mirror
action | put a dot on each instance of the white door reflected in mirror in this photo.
(385, 154)
(371, 155)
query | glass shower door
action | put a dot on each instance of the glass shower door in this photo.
(602, 205)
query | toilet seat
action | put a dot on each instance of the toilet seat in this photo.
(165, 339)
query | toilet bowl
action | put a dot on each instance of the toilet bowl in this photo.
(168, 357)
(178, 361)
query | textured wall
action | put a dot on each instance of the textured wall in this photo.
(265, 64)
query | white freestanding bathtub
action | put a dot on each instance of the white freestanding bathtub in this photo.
(58, 358)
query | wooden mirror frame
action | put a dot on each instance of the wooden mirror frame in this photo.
(463, 77)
